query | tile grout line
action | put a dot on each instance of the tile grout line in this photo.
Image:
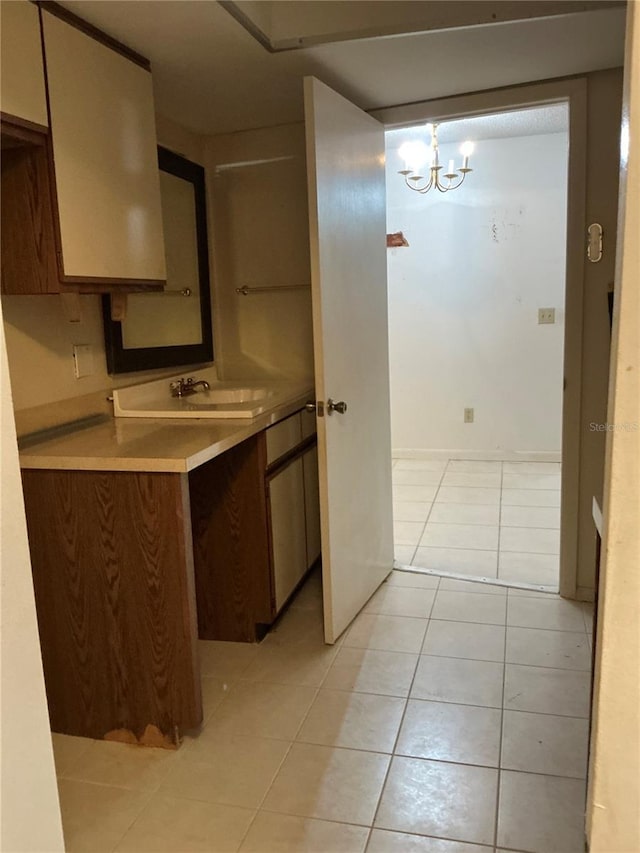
(426, 521)
(424, 530)
(284, 758)
(288, 751)
(500, 536)
(155, 792)
(294, 741)
(404, 712)
(504, 681)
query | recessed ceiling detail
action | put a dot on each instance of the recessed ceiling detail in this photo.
(211, 76)
(280, 25)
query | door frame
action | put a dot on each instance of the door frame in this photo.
(573, 92)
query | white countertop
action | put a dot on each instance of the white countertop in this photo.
(149, 444)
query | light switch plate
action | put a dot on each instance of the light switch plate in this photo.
(546, 315)
(83, 360)
(468, 416)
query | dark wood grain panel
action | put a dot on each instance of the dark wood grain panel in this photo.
(113, 578)
(20, 127)
(231, 545)
(28, 244)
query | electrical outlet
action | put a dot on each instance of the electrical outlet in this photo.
(546, 315)
(83, 360)
(468, 416)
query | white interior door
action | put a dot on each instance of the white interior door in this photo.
(347, 215)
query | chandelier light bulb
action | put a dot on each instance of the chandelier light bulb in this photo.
(415, 154)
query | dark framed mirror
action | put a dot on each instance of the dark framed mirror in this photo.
(172, 327)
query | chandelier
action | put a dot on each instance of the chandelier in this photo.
(417, 154)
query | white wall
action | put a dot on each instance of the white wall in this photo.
(30, 814)
(613, 801)
(464, 299)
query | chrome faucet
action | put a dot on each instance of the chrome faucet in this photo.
(184, 387)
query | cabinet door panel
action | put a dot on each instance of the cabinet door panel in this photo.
(104, 147)
(288, 536)
(312, 504)
(22, 77)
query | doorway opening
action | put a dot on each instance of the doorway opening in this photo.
(476, 283)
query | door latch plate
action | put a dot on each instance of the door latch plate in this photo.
(594, 242)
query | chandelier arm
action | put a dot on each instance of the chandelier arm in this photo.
(424, 189)
(451, 186)
(427, 187)
(459, 184)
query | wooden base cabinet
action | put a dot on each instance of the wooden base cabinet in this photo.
(231, 544)
(113, 580)
(131, 568)
(256, 530)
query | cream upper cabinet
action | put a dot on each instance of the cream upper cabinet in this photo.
(22, 92)
(105, 159)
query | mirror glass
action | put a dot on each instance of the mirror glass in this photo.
(172, 327)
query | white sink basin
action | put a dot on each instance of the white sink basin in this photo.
(221, 400)
(226, 396)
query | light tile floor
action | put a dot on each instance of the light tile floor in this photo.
(479, 518)
(451, 718)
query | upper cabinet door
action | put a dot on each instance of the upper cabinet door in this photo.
(105, 160)
(22, 92)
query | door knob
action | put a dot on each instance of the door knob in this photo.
(340, 407)
(310, 406)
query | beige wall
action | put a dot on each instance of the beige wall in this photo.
(613, 802)
(258, 207)
(29, 797)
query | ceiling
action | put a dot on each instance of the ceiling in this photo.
(212, 76)
(530, 122)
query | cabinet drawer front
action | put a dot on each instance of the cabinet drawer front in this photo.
(22, 70)
(283, 437)
(106, 166)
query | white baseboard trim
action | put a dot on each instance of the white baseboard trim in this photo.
(497, 455)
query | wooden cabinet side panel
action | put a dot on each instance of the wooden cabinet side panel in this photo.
(230, 543)
(27, 228)
(104, 145)
(111, 560)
